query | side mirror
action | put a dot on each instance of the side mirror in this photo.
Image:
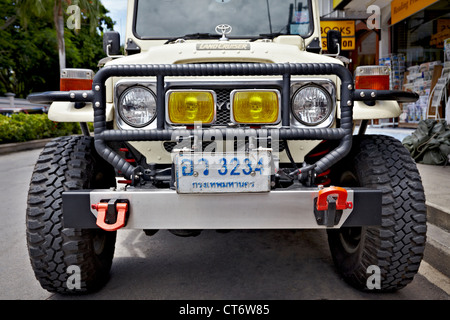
(111, 43)
(334, 40)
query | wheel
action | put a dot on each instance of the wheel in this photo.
(393, 251)
(65, 260)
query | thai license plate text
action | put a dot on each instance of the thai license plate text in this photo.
(212, 173)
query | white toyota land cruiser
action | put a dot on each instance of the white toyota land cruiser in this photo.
(224, 114)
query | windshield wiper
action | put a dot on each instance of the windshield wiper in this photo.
(267, 36)
(194, 36)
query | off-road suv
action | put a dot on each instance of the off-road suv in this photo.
(224, 115)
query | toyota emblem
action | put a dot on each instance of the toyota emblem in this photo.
(224, 29)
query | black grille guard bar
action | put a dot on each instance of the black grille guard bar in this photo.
(344, 133)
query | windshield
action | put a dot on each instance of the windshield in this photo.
(163, 19)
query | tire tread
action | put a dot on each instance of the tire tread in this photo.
(52, 248)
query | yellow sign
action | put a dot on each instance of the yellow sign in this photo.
(443, 25)
(402, 9)
(437, 39)
(348, 43)
(347, 29)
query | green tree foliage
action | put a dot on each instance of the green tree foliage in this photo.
(29, 44)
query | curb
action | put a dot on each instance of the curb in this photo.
(439, 216)
(437, 247)
(22, 146)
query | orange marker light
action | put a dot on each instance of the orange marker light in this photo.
(372, 77)
(76, 79)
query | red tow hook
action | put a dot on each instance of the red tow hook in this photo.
(341, 202)
(120, 210)
(329, 213)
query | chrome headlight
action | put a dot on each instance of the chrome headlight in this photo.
(137, 106)
(311, 105)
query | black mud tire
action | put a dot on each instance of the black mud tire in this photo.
(67, 163)
(396, 247)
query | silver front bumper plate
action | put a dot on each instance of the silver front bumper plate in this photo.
(167, 209)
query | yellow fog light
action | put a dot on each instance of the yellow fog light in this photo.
(187, 107)
(255, 106)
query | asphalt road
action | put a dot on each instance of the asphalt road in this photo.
(261, 265)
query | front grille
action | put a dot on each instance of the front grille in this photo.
(223, 106)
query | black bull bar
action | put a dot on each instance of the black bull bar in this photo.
(348, 94)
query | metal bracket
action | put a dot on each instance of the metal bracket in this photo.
(132, 47)
(314, 46)
(329, 217)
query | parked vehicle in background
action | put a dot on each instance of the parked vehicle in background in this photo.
(10, 105)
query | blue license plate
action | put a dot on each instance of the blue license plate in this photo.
(219, 173)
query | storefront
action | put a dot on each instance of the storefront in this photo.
(409, 38)
(420, 34)
(418, 31)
